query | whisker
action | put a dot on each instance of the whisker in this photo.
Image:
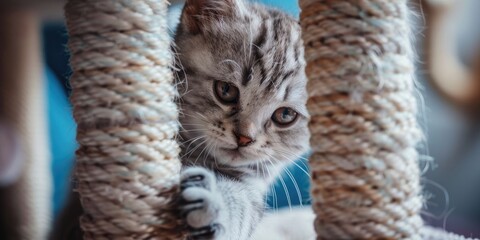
(193, 124)
(274, 191)
(200, 155)
(287, 193)
(289, 200)
(295, 184)
(294, 161)
(191, 130)
(193, 140)
(194, 148)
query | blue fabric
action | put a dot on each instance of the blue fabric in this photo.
(289, 6)
(62, 128)
(62, 131)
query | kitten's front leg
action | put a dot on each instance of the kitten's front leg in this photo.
(201, 204)
(219, 208)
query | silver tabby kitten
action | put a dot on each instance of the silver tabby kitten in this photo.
(242, 92)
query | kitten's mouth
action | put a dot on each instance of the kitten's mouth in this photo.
(232, 150)
(238, 156)
(235, 153)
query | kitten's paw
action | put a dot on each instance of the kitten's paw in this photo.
(200, 203)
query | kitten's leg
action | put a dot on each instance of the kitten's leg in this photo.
(218, 208)
(200, 203)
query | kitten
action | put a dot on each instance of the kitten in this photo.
(242, 85)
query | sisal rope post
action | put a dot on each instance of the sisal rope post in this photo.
(127, 165)
(25, 205)
(364, 167)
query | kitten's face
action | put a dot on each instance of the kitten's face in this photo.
(242, 83)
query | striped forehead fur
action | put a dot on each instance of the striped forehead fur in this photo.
(265, 44)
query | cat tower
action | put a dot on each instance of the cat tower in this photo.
(364, 167)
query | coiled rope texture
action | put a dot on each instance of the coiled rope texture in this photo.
(364, 168)
(127, 165)
(364, 132)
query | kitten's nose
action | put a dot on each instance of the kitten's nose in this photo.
(243, 140)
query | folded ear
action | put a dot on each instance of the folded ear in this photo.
(199, 13)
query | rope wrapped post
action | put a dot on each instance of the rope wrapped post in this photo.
(127, 163)
(364, 166)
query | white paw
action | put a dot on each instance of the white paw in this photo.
(200, 203)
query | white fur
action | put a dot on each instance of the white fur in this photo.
(287, 224)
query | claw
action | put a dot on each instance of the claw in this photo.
(189, 206)
(205, 232)
(192, 181)
(195, 178)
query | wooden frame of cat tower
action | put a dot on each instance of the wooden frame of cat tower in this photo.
(364, 166)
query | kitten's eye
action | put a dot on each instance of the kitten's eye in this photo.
(227, 93)
(284, 116)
